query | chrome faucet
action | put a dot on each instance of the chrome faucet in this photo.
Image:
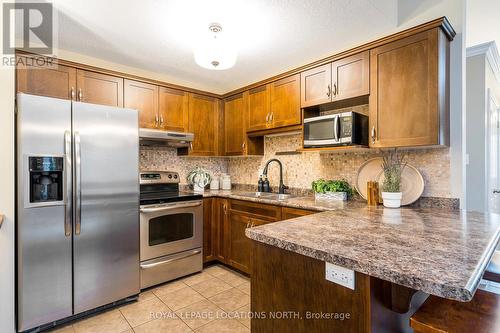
(282, 187)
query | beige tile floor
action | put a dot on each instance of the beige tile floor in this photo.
(216, 300)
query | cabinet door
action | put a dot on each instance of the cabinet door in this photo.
(209, 230)
(97, 88)
(173, 112)
(316, 86)
(53, 81)
(239, 245)
(258, 108)
(144, 98)
(351, 76)
(404, 108)
(285, 102)
(221, 240)
(234, 125)
(203, 122)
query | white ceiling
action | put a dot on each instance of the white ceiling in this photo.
(272, 36)
(483, 22)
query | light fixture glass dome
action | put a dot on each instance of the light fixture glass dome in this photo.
(215, 51)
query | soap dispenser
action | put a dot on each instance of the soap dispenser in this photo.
(265, 184)
(260, 186)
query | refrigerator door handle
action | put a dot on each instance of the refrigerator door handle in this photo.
(69, 175)
(78, 182)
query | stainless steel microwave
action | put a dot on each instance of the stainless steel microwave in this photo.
(342, 129)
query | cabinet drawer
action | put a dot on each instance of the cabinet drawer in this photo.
(269, 212)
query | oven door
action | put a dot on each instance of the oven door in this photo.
(170, 228)
(322, 131)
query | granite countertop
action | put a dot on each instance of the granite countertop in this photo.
(441, 252)
(301, 202)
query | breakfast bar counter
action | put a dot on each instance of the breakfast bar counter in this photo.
(396, 254)
(443, 253)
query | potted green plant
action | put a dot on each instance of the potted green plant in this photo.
(199, 178)
(331, 189)
(392, 166)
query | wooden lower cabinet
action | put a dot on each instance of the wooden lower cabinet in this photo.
(285, 282)
(209, 230)
(291, 213)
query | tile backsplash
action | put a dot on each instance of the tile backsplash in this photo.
(301, 169)
(166, 159)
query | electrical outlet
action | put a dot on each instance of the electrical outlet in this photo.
(339, 275)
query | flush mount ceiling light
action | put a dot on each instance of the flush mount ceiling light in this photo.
(215, 51)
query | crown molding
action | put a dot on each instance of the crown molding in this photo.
(490, 51)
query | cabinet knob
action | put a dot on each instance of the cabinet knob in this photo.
(72, 93)
(80, 94)
(374, 134)
(243, 146)
(328, 91)
(271, 118)
(157, 121)
(267, 118)
(161, 120)
(334, 89)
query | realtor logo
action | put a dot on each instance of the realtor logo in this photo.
(33, 30)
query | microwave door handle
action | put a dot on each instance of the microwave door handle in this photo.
(336, 128)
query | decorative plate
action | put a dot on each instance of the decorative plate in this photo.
(412, 182)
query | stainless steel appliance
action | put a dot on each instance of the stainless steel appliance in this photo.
(171, 229)
(341, 129)
(77, 208)
(152, 137)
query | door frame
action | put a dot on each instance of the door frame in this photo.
(490, 102)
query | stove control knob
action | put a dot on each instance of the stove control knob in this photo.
(170, 176)
(175, 176)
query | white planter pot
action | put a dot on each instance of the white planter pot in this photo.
(331, 196)
(392, 199)
(198, 189)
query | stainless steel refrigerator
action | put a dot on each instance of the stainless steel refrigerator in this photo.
(77, 208)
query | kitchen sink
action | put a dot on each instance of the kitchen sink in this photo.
(268, 196)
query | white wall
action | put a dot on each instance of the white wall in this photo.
(7, 287)
(475, 148)
(483, 75)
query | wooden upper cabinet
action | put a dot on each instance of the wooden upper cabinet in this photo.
(99, 88)
(234, 125)
(258, 108)
(409, 91)
(53, 81)
(203, 122)
(173, 111)
(351, 76)
(285, 102)
(144, 98)
(316, 86)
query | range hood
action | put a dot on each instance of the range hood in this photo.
(152, 137)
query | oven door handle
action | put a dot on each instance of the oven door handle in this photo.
(170, 207)
(170, 259)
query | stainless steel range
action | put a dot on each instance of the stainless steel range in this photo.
(171, 229)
